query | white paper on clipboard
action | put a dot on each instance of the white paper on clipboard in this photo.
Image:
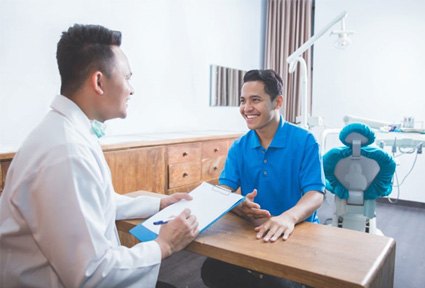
(208, 204)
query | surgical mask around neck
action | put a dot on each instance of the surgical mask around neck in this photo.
(98, 128)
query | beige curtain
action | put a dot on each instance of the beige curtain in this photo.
(288, 26)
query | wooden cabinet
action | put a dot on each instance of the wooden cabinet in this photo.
(163, 166)
(4, 166)
(137, 169)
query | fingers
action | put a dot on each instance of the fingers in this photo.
(271, 231)
(258, 213)
(177, 233)
(252, 209)
(180, 196)
(176, 197)
(248, 204)
(195, 230)
(190, 220)
(286, 234)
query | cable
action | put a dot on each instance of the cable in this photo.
(398, 185)
(410, 171)
(398, 190)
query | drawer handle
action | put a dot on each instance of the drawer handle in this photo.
(216, 150)
(185, 154)
(185, 175)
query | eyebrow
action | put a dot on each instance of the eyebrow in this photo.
(250, 96)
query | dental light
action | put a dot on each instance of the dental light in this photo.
(296, 57)
(343, 39)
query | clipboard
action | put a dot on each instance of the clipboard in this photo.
(209, 203)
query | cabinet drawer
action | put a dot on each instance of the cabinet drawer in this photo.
(181, 174)
(211, 168)
(184, 153)
(212, 149)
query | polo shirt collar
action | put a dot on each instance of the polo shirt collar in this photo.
(278, 138)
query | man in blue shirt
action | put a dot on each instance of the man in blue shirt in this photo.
(278, 167)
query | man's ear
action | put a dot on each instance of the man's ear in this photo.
(279, 101)
(97, 82)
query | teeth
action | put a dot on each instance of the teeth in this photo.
(251, 116)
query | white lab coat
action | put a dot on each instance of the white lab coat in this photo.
(58, 212)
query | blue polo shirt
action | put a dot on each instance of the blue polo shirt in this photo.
(290, 167)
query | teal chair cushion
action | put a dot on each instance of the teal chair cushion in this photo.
(382, 184)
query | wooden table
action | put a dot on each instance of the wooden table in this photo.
(315, 255)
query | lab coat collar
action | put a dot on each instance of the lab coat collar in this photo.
(73, 113)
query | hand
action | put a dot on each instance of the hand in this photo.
(177, 233)
(173, 198)
(282, 225)
(250, 209)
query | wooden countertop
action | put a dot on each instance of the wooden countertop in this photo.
(316, 255)
(120, 142)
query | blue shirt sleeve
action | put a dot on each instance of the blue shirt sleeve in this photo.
(311, 175)
(230, 174)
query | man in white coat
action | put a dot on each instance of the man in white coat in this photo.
(58, 208)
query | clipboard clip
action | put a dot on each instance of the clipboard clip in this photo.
(221, 190)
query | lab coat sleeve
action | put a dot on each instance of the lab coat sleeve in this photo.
(135, 207)
(70, 213)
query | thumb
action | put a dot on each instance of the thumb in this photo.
(252, 195)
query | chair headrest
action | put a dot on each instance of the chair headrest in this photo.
(356, 131)
(381, 185)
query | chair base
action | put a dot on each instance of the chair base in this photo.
(356, 217)
(357, 222)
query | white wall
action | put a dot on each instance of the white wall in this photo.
(170, 45)
(380, 76)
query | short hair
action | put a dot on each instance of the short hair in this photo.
(273, 84)
(84, 48)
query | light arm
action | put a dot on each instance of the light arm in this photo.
(296, 57)
(298, 53)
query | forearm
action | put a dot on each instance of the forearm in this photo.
(135, 207)
(309, 203)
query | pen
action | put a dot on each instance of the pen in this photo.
(160, 222)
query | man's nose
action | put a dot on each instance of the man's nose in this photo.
(247, 106)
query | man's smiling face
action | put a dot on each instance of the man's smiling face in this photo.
(256, 106)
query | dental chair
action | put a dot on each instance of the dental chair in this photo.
(357, 174)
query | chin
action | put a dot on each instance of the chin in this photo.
(123, 114)
(250, 126)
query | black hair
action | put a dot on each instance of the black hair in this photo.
(82, 49)
(273, 84)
